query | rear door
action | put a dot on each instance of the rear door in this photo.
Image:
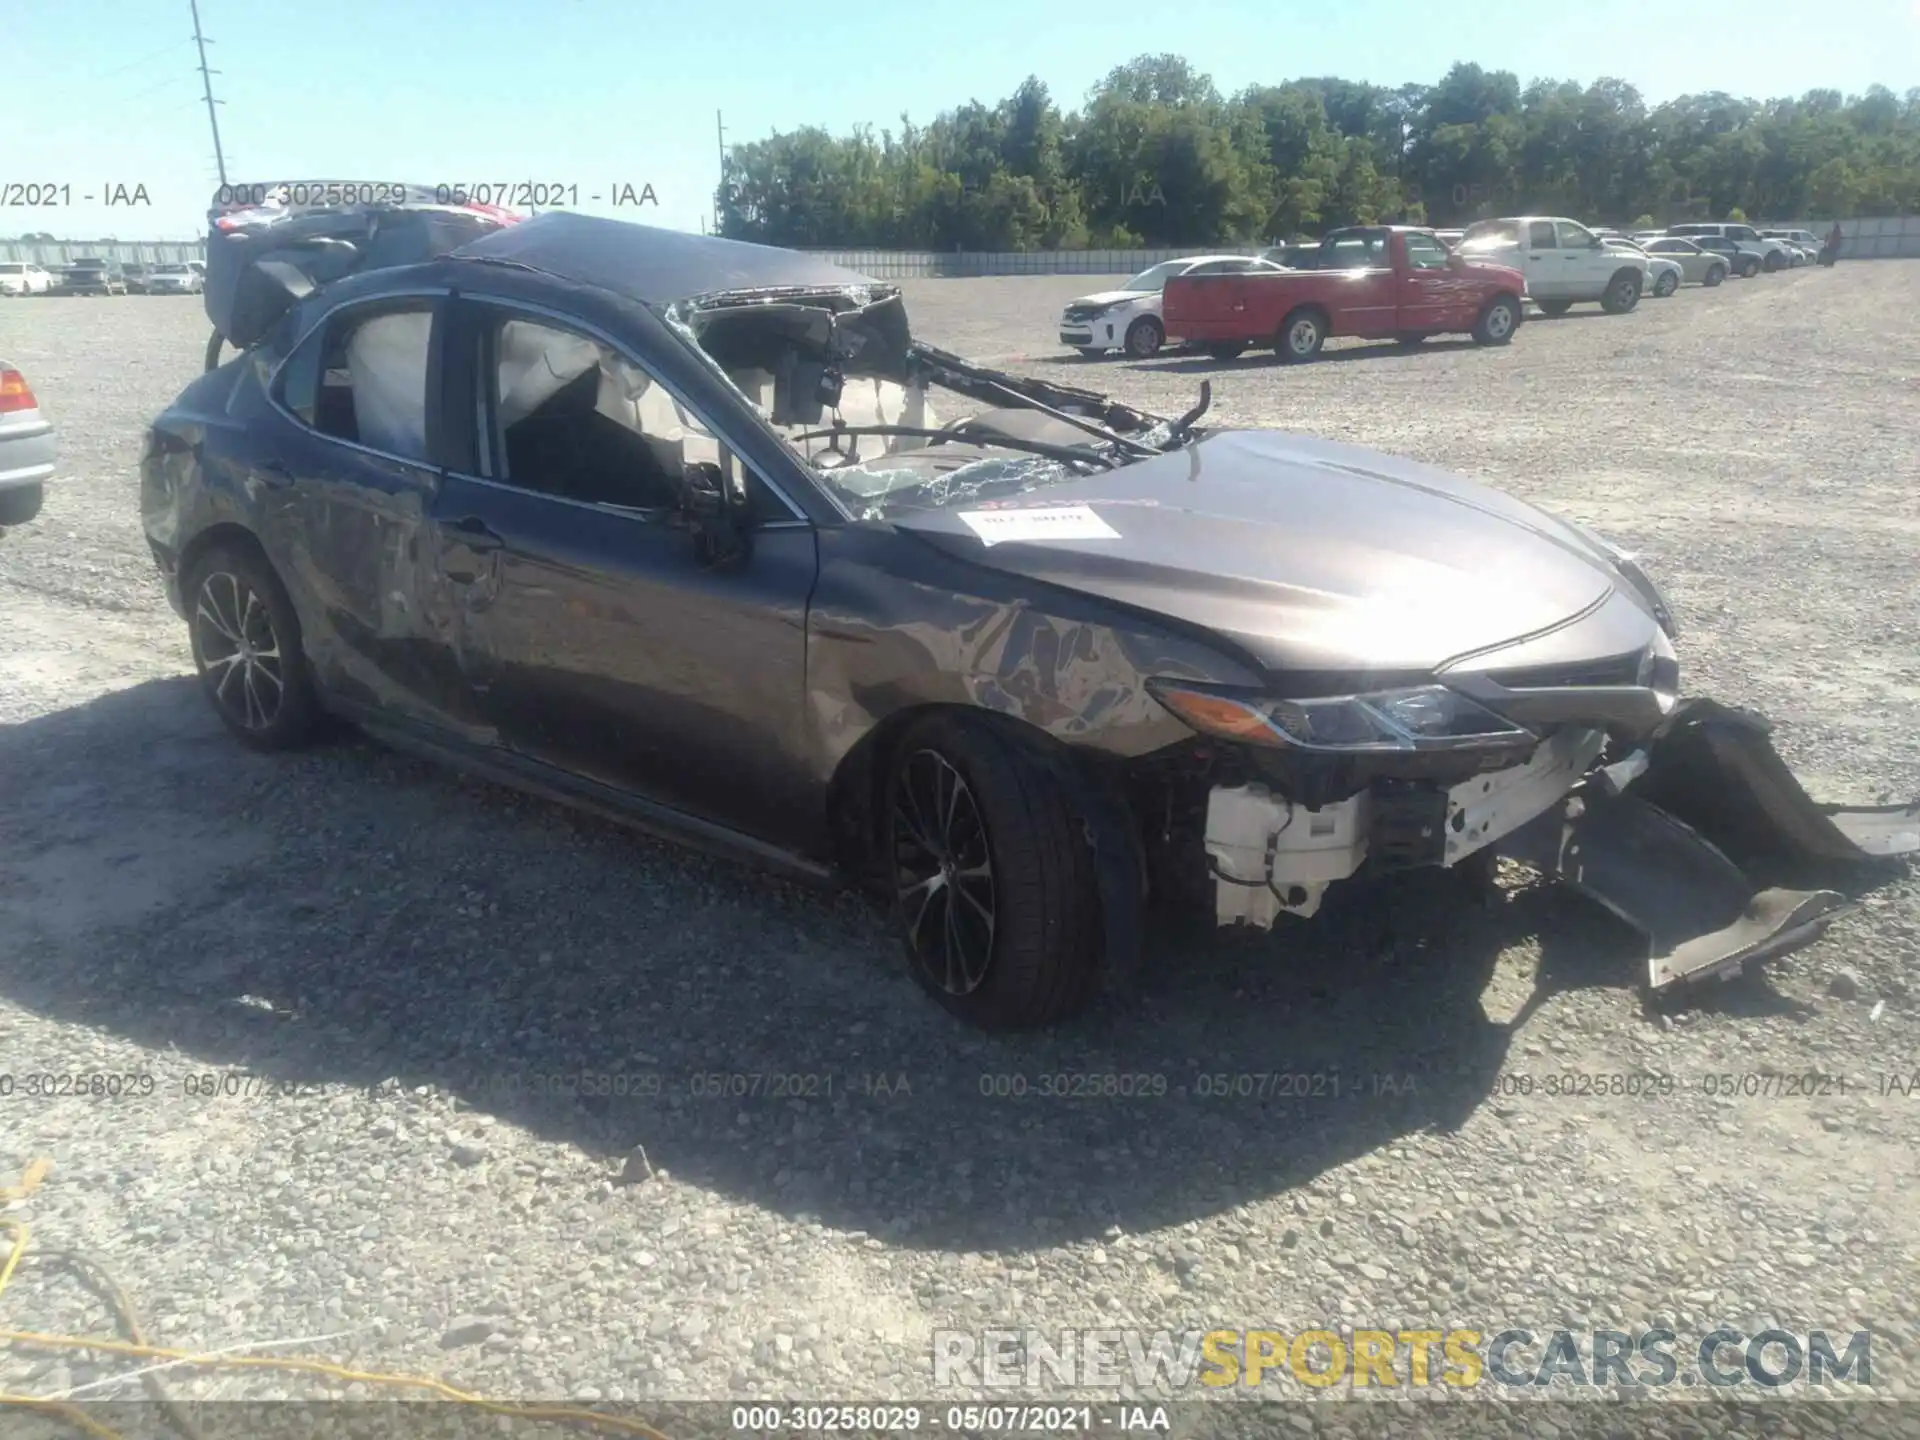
(1434, 296)
(592, 632)
(1362, 288)
(342, 495)
(1545, 265)
(1585, 260)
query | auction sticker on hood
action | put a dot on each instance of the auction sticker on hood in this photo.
(1049, 522)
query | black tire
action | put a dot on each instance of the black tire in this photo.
(1715, 274)
(20, 504)
(1623, 292)
(1554, 309)
(246, 643)
(1497, 322)
(1227, 352)
(1301, 336)
(1666, 285)
(1775, 261)
(1145, 337)
(1030, 954)
(1749, 267)
(1092, 352)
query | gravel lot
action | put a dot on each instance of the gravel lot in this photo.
(409, 955)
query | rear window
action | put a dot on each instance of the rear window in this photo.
(1490, 235)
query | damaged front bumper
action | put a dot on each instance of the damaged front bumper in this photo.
(1695, 838)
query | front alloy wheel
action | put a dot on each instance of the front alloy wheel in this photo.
(992, 872)
(1145, 337)
(943, 873)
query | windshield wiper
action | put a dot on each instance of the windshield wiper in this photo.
(1027, 402)
(992, 437)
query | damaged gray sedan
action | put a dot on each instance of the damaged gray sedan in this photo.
(696, 534)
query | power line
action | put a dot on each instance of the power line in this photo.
(159, 54)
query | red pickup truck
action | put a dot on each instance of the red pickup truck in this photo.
(1377, 282)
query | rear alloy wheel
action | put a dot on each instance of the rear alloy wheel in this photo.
(1623, 293)
(1301, 336)
(1498, 321)
(21, 504)
(1666, 285)
(246, 646)
(1145, 337)
(1715, 274)
(1554, 309)
(994, 890)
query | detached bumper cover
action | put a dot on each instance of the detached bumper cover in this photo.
(1702, 855)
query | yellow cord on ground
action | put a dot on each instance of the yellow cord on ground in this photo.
(74, 1415)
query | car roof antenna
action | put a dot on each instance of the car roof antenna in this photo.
(1187, 421)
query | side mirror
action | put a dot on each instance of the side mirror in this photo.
(712, 515)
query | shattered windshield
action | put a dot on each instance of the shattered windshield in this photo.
(886, 425)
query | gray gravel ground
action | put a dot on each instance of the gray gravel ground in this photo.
(409, 958)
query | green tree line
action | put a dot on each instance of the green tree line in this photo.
(1157, 156)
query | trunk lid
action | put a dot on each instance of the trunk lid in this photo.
(263, 257)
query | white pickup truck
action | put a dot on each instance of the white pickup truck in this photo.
(1565, 263)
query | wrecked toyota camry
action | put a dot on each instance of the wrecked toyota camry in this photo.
(696, 534)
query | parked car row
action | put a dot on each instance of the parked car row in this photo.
(1407, 282)
(89, 276)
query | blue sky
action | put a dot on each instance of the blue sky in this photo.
(595, 93)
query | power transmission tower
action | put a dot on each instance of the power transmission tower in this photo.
(206, 85)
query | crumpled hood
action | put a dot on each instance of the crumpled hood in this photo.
(1310, 554)
(1110, 297)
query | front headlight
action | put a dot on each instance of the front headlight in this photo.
(1422, 717)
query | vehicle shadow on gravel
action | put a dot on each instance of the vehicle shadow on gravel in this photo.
(405, 927)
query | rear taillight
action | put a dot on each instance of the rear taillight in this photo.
(15, 393)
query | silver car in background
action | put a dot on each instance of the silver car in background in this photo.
(175, 280)
(26, 449)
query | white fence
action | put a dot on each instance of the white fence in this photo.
(1895, 236)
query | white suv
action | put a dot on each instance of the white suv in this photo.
(1565, 263)
(1771, 254)
(23, 277)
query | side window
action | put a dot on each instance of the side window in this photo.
(1574, 237)
(1540, 235)
(569, 416)
(1215, 267)
(362, 377)
(1354, 250)
(1426, 253)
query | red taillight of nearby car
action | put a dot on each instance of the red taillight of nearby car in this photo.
(15, 393)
